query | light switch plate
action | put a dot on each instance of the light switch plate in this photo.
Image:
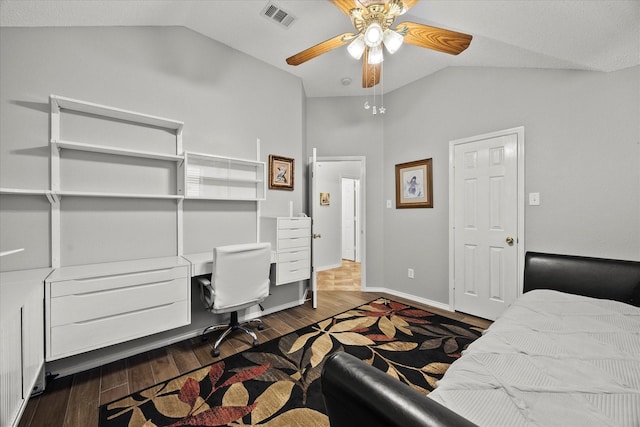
(388, 203)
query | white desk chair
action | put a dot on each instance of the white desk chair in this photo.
(239, 280)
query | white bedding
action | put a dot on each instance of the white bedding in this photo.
(552, 359)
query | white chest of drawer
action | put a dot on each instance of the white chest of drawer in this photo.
(290, 237)
(93, 306)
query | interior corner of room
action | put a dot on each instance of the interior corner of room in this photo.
(133, 151)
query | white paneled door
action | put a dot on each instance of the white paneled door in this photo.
(486, 223)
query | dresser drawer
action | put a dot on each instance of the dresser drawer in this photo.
(287, 272)
(97, 305)
(293, 232)
(285, 223)
(115, 281)
(74, 338)
(293, 255)
(100, 303)
(297, 242)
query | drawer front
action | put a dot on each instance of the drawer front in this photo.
(294, 269)
(298, 242)
(284, 223)
(103, 303)
(293, 232)
(74, 338)
(288, 274)
(95, 284)
(293, 255)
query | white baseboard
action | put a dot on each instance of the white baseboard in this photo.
(435, 304)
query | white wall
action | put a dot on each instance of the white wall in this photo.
(226, 99)
(341, 127)
(582, 154)
(581, 131)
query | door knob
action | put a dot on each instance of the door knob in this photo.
(317, 236)
(509, 241)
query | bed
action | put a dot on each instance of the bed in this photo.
(566, 353)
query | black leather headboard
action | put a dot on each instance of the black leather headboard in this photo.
(593, 277)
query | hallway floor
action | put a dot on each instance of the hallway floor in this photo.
(344, 278)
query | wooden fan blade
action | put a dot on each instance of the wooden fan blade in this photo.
(344, 5)
(409, 3)
(370, 73)
(318, 49)
(436, 38)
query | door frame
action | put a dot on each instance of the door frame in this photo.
(520, 238)
(362, 201)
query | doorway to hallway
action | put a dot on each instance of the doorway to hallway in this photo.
(336, 198)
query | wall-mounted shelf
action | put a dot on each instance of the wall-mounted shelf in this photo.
(60, 102)
(69, 145)
(10, 252)
(118, 195)
(223, 178)
(24, 191)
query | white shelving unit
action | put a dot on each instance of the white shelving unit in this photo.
(61, 104)
(92, 306)
(105, 299)
(223, 178)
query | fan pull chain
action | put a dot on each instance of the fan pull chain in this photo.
(366, 78)
(382, 109)
(374, 91)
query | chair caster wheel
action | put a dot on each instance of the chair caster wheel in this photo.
(204, 338)
(256, 343)
(216, 352)
(260, 327)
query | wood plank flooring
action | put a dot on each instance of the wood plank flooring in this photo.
(73, 401)
(344, 278)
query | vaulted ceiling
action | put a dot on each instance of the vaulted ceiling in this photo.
(599, 35)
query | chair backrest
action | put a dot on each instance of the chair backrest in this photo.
(240, 275)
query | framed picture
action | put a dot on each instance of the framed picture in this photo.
(280, 173)
(414, 184)
(325, 199)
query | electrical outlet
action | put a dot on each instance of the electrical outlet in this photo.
(410, 273)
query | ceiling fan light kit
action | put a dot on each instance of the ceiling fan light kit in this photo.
(373, 21)
(392, 40)
(356, 47)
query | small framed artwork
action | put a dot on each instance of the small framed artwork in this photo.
(414, 184)
(280, 173)
(325, 199)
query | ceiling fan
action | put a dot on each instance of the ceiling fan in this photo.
(373, 20)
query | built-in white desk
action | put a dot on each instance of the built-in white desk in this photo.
(202, 262)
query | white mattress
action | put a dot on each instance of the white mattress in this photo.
(552, 359)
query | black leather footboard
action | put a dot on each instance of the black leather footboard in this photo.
(593, 277)
(357, 394)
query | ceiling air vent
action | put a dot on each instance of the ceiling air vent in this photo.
(276, 14)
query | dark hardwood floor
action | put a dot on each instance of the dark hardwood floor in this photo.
(73, 401)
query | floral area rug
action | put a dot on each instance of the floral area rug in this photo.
(278, 382)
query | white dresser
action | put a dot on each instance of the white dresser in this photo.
(93, 306)
(290, 239)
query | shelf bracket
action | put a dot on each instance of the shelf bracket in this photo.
(53, 198)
